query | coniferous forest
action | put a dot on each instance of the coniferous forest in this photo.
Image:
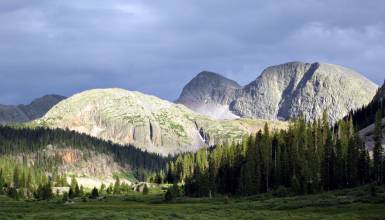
(308, 157)
(42, 175)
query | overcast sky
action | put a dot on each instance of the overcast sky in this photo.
(156, 47)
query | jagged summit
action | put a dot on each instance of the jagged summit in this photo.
(285, 91)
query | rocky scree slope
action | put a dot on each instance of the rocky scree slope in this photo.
(24, 113)
(144, 121)
(289, 90)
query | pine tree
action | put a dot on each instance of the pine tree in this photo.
(378, 151)
(94, 193)
(74, 185)
(117, 186)
(16, 177)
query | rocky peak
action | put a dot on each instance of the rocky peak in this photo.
(210, 94)
(284, 91)
(207, 86)
(291, 89)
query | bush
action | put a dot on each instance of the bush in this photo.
(65, 197)
(281, 191)
(84, 199)
(169, 195)
(373, 190)
(145, 189)
(172, 193)
(44, 192)
(12, 192)
(226, 200)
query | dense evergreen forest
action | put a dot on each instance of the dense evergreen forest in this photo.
(306, 158)
(22, 140)
(365, 115)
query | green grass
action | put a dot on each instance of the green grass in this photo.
(344, 204)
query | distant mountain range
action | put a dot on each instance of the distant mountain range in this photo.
(24, 113)
(281, 92)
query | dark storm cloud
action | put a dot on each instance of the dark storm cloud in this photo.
(157, 46)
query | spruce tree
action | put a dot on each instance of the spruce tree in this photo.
(378, 152)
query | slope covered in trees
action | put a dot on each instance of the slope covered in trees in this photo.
(17, 171)
(365, 115)
(306, 158)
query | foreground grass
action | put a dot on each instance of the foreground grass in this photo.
(345, 204)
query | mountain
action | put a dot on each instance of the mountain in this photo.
(210, 94)
(23, 113)
(289, 90)
(144, 121)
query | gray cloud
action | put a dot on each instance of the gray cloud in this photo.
(63, 47)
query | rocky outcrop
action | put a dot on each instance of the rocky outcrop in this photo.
(144, 121)
(23, 113)
(367, 135)
(292, 89)
(210, 94)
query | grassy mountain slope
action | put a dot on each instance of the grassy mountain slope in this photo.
(145, 121)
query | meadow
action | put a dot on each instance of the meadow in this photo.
(355, 203)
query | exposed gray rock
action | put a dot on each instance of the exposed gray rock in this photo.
(367, 135)
(289, 90)
(144, 121)
(24, 113)
(210, 94)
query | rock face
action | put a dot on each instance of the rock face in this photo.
(367, 135)
(23, 113)
(291, 89)
(144, 121)
(210, 94)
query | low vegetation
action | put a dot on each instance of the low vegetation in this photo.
(354, 203)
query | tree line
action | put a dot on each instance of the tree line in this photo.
(18, 178)
(308, 157)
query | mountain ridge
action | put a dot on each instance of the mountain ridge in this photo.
(288, 90)
(24, 113)
(145, 121)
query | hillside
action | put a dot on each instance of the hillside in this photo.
(56, 152)
(283, 92)
(144, 121)
(23, 113)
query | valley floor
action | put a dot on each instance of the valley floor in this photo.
(354, 203)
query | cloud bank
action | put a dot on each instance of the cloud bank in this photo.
(63, 47)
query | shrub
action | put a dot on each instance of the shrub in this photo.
(65, 197)
(172, 192)
(145, 189)
(12, 192)
(281, 191)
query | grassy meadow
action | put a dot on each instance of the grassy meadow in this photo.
(356, 203)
